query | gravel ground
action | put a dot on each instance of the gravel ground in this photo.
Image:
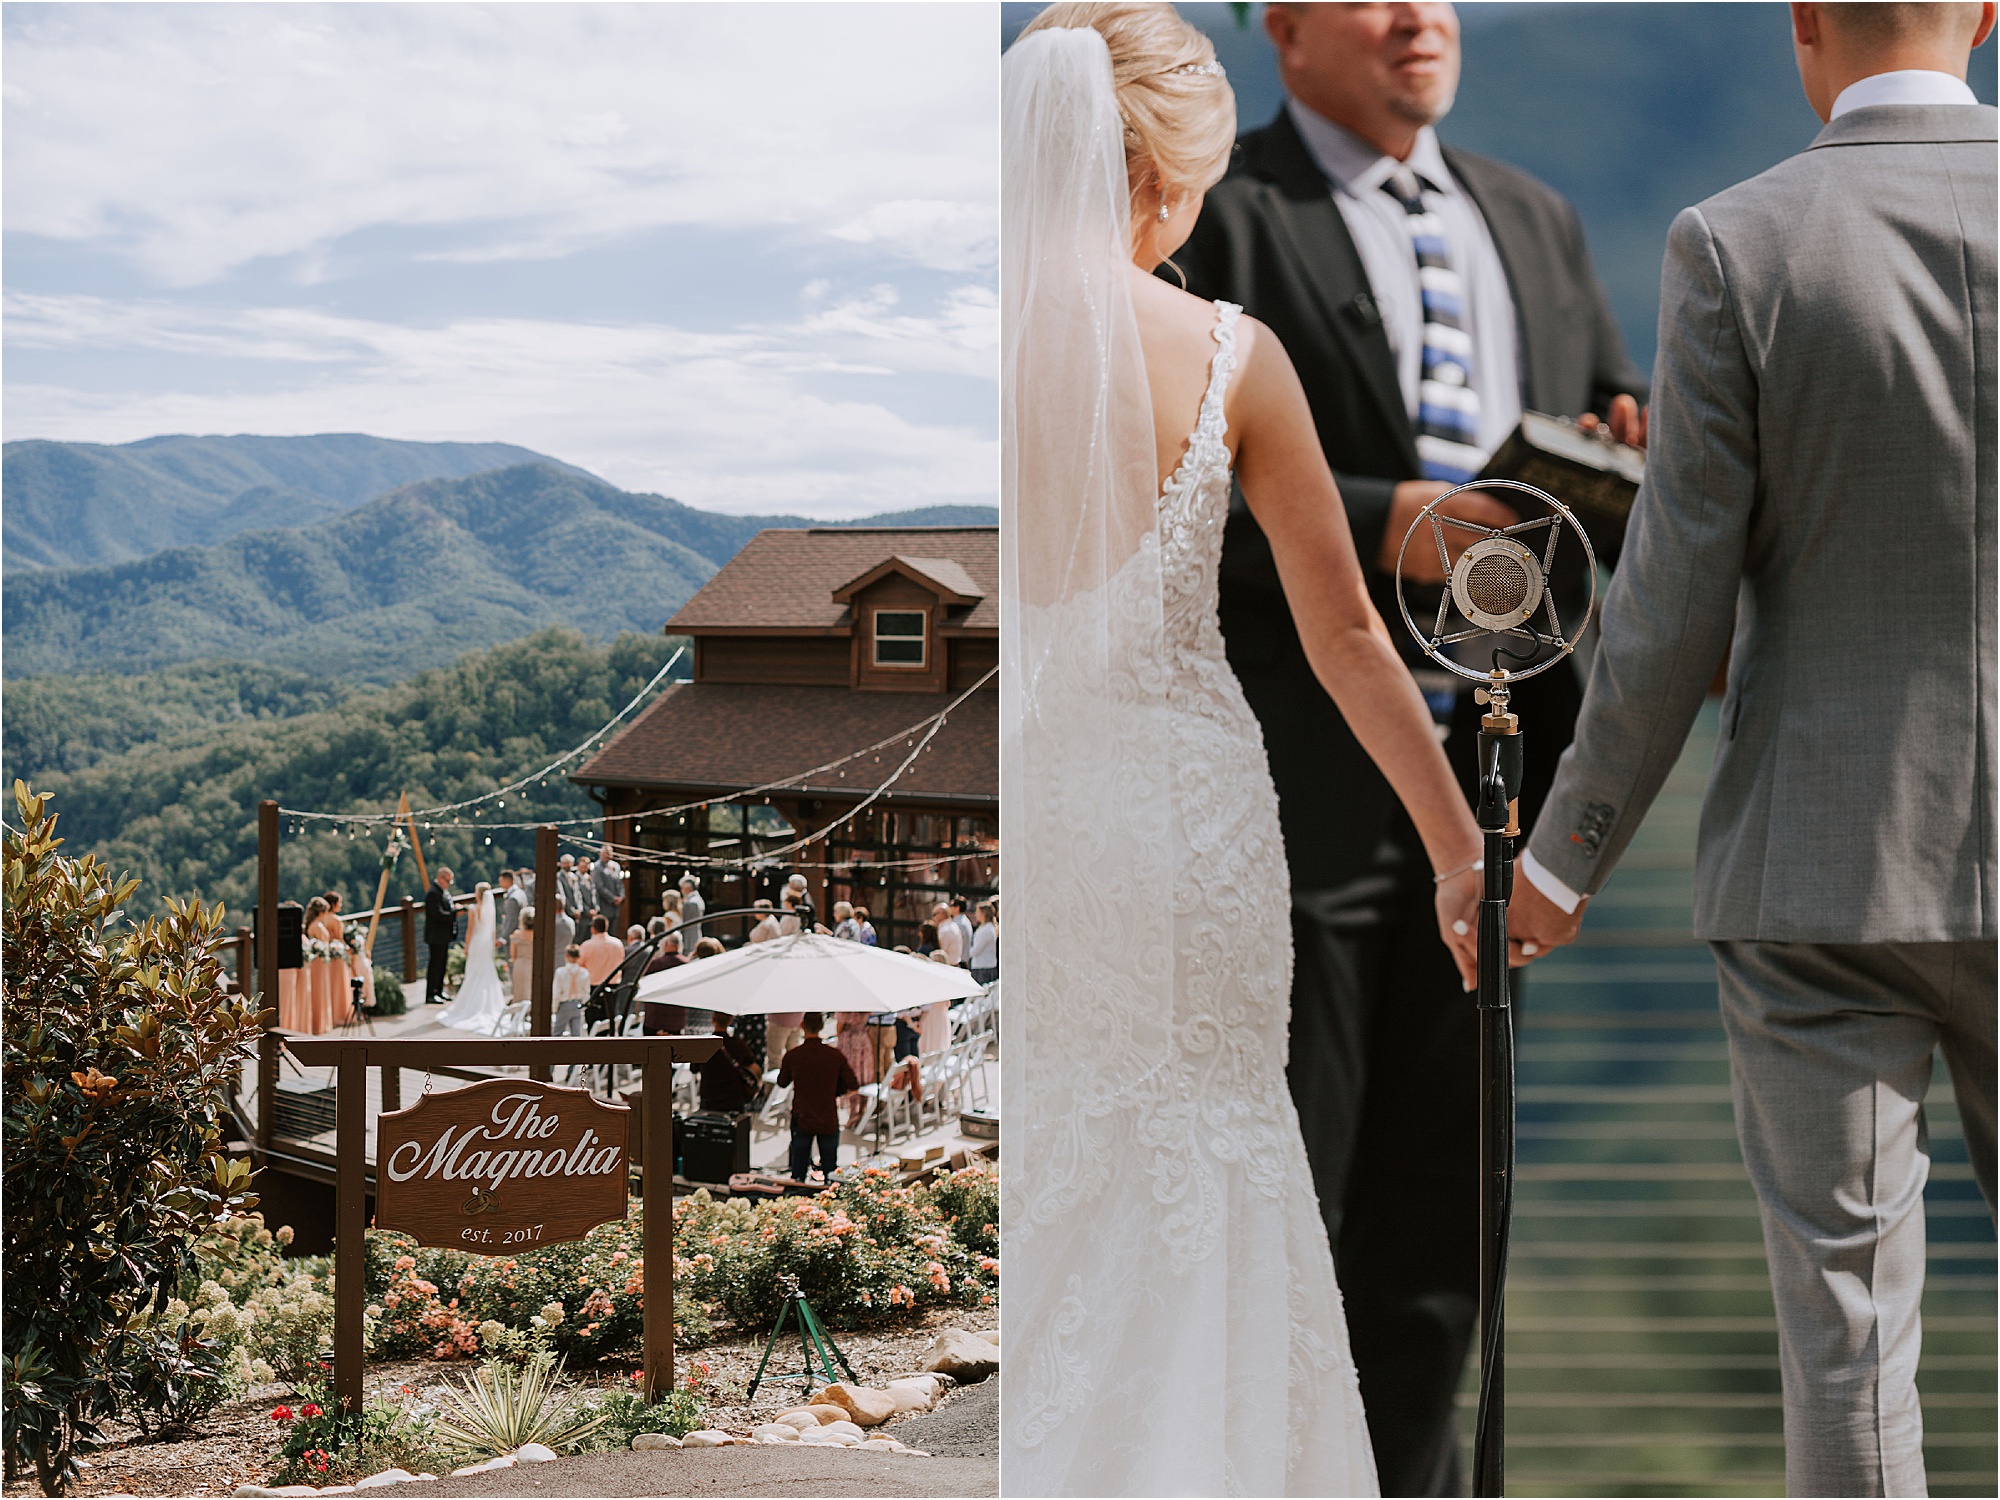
(238, 1444)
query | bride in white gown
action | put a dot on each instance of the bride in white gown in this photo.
(481, 1002)
(1173, 1322)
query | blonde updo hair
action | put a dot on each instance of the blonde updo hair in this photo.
(1179, 127)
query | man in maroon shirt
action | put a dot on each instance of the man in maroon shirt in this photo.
(818, 1075)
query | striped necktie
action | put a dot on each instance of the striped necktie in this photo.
(1447, 405)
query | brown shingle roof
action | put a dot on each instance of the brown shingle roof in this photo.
(732, 735)
(785, 579)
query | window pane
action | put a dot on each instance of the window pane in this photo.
(899, 638)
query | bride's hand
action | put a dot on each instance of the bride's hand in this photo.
(1457, 903)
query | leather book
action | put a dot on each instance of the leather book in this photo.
(1594, 476)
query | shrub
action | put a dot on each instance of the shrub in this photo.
(502, 1407)
(323, 1448)
(119, 1046)
(626, 1414)
(969, 1200)
(240, 1255)
(389, 997)
(292, 1325)
(182, 1362)
(865, 1251)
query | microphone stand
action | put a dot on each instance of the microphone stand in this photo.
(1500, 752)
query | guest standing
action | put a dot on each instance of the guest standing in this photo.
(818, 1076)
(963, 924)
(602, 953)
(572, 989)
(852, 1036)
(565, 925)
(985, 942)
(440, 931)
(665, 1020)
(949, 943)
(692, 907)
(521, 958)
(608, 880)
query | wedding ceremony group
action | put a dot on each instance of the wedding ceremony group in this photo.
(565, 566)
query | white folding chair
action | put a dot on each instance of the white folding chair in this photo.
(972, 1092)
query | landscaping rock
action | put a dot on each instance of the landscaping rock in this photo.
(825, 1412)
(647, 1440)
(963, 1356)
(386, 1477)
(867, 1406)
(506, 1461)
(534, 1453)
(912, 1395)
(800, 1418)
(845, 1429)
(707, 1439)
(775, 1432)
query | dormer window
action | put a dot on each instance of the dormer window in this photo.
(899, 637)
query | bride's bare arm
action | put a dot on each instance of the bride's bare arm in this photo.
(1291, 492)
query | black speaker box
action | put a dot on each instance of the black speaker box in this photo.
(291, 936)
(714, 1147)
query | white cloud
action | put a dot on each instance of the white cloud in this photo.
(194, 139)
(733, 421)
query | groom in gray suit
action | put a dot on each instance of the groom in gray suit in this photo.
(1821, 477)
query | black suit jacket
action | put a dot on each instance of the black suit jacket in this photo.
(1271, 238)
(440, 918)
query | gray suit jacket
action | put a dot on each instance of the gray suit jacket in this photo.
(1821, 474)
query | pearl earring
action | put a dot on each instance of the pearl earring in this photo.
(1165, 212)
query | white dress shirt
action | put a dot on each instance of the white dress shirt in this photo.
(1355, 172)
(1904, 86)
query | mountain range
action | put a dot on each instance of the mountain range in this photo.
(404, 582)
(71, 505)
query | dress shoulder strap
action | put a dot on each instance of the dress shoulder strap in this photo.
(1212, 424)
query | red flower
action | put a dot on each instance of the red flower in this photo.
(282, 1414)
(310, 1409)
(317, 1458)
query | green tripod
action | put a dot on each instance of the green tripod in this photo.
(813, 1337)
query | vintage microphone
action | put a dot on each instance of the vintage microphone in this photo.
(1497, 585)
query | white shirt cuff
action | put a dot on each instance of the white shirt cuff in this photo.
(1544, 881)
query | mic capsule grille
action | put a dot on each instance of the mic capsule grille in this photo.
(1497, 583)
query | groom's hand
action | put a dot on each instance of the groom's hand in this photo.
(1420, 563)
(1535, 924)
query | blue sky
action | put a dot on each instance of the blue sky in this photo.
(740, 254)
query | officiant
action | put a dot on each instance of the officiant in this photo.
(1427, 297)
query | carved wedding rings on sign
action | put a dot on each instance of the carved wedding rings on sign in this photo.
(1498, 584)
(502, 1166)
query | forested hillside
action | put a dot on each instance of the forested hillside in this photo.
(183, 815)
(79, 505)
(64, 723)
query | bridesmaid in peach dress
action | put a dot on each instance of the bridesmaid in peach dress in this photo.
(319, 971)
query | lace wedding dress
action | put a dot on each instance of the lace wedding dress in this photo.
(481, 1002)
(1195, 1342)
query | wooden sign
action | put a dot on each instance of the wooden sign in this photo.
(502, 1166)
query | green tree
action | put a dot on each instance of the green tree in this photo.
(118, 1044)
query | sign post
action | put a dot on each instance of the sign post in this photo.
(500, 1166)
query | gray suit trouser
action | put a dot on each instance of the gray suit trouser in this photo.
(1830, 1050)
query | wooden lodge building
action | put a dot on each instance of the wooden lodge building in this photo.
(809, 645)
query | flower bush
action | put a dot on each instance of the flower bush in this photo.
(321, 1447)
(865, 1251)
(292, 1324)
(626, 1414)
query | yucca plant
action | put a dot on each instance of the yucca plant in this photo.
(502, 1407)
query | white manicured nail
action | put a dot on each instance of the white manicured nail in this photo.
(1460, 928)
(1531, 948)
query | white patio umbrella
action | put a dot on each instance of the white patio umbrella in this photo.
(807, 971)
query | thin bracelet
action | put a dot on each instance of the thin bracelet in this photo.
(1470, 864)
